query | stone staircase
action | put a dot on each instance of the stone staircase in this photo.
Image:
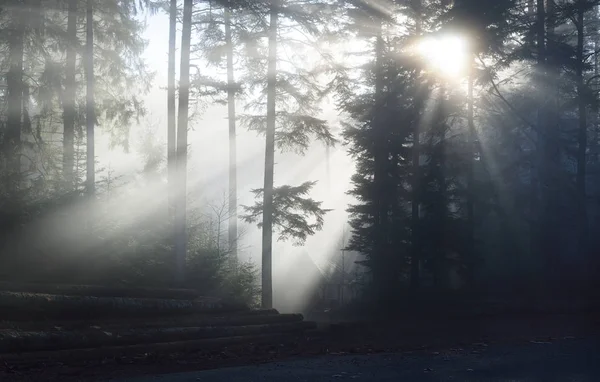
(50, 322)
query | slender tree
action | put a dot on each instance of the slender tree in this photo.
(14, 89)
(172, 178)
(471, 136)
(582, 131)
(287, 119)
(171, 117)
(182, 127)
(231, 116)
(415, 261)
(69, 98)
(267, 222)
(549, 127)
(90, 104)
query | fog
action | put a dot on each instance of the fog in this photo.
(294, 277)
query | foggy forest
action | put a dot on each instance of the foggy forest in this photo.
(305, 155)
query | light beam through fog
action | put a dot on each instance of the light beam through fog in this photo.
(296, 269)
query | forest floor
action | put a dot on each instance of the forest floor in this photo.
(575, 360)
(432, 336)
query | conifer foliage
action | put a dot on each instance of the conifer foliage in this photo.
(473, 127)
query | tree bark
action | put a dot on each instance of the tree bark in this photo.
(267, 229)
(172, 131)
(382, 274)
(182, 127)
(594, 136)
(233, 216)
(596, 119)
(20, 341)
(17, 341)
(69, 98)
(52, 305)
(550, 246)
(101, 291)
(582, 221)
(471, 136)
(90, 103)
(171, 112)
(415, 274)
(202, 319)
(440, 269)
(536, 157)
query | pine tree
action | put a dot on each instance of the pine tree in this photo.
(288, 122)
(267, 205)
(223, 27)
(415, 260)
(231, 116)
(182, 127)
(18, 27)
(171, 117)
(378, 142)
(90, 104)
(69, 98)
(172, 177)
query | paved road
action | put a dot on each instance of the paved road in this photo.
(564, 361)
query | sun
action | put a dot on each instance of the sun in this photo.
(446, 54)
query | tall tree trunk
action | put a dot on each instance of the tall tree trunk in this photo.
(182, 127)
(536, 157)
(443, 270)
(171, 111)
(90, 105)
(595, 154)
(14, 85)
(172, 129)
(232, 226)
(550, 240)
(267, 229)
(440, 269)
(471, 137)
(415, 261)
(582, 219)
(382, 273)
(69, 98)
(594, 137)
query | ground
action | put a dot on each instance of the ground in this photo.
(478, 348)
(563, 360)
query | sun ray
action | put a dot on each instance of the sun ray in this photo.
(445, 54)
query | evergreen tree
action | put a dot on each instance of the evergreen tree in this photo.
(171, 111)
(90, 104)
(69, 98)
(182, 131)
(288, 122)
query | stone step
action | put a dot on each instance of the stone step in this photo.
(100, 291)
(12, 341)
(40, 322)
(187, 320)
(144, 350)
(22, 305)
